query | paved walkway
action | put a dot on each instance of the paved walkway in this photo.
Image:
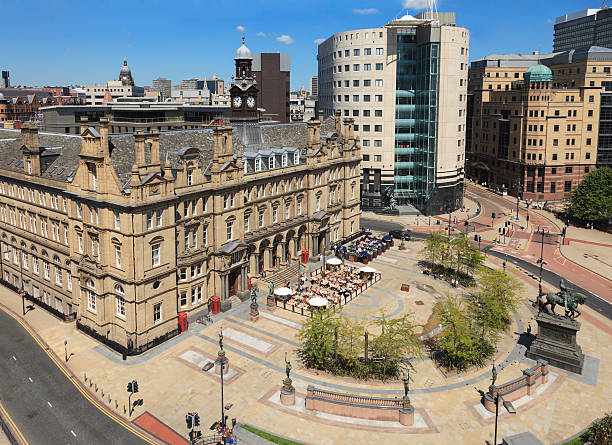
(172, 382)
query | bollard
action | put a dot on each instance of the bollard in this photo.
(116, 404)
(96, 387)
(124, 410)
(109, 398)
(90, 383)
(85, 376)
(102, 392)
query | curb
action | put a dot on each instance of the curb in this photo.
(92, 398)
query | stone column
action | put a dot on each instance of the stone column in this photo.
(267, 253)
(221, 361)
(287, 394)
(223, 294)
(406, 412)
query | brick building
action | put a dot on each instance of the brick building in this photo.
(540, 124)
(124, 232)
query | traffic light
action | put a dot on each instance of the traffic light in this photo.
(189, 421)
(196, 419)
(135, 386)
(130, 387)
(493, 215)
(475, 237)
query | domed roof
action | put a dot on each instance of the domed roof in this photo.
(125, 69)
(538, 73)
(1, 96)
(243, 52)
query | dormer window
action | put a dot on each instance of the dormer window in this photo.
(257, 164)
(284, 160)
(296, 158)
(29, 164)
(190, 177)
(271, 162)
(94, 175)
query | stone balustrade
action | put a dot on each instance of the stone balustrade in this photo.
(519, 387)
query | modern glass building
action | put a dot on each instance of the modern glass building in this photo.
(405, 85)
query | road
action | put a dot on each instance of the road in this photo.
(43, 403)
(379, 225)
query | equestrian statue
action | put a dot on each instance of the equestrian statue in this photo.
(568, 299)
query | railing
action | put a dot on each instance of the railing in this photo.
(122, 349)
(353, 398)
(519, 387)
(144, 120)
(41, 303)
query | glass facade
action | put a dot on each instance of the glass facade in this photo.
(416, 119)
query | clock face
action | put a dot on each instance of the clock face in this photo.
(250, 101)
(237, 101)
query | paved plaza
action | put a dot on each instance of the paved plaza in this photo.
(173, 383)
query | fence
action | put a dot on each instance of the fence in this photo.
(122, 349)
(341, 302)
(41, 303)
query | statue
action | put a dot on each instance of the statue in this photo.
(406, 379)
(271, 289)
(253, 296)
(570, 301)
(493, 375)
(388, 200)
(221, 340)
(287, 368)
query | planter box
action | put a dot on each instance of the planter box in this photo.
(405, 287)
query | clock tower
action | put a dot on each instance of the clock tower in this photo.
(243, 90)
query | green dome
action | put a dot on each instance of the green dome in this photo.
(538, 73)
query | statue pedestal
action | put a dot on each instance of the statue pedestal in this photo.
(406, 414)
(556, 343)
(221, 360)
(287, 393)
(254, 312)
(271, 303)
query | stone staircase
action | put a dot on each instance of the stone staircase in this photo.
(288, 273)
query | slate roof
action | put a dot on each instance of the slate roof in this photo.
(61, 156)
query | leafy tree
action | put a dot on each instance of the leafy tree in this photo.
(433, 248)
(498, 291)
(591, 200)
(317, 338)
(601, 431)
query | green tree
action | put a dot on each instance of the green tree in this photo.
(432, 252)
(317, 339)
(601, 431)
(591, 200)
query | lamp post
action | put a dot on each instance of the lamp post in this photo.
(541, 259)
(508, 405)
(449, 208)
(66, 350)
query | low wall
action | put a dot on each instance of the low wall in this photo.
(519, 387)
(361, 407)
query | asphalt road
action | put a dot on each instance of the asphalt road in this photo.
(43, 403)
(378, 225)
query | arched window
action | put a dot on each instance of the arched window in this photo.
(56, 259)
(90, 283)
(119, 289)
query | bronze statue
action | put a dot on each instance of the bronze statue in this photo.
(570, 301)
(493, 375)
(406, 379)
(253, 296)
(221, 339)
(287, 367)
(271, 289)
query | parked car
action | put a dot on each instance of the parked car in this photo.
(400, 234)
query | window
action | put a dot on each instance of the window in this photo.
(284, 160)
(366, 98)
(377, 127)
(588, 155)
(380, 51)
(120, 306)
(367, 83)
(568, 186)
(271, 162)
(347, 53)
(246, 223)
(379, 66)
(377, 113)
(261, 218)
(588, 141)
(182, 273)
(155, 259)
(157, 312)
(69, 278)
(318, 203)
(229, 228)
(257, 164)
(79, 210)
(568, 169)
(80, 242)
(591, 98)
(378, 82)
(555, 142)
(365, 142)
(367, 51)
(366, 128)
(205, 236)
(35, 264)
(378, 98)
(355, 52)
(554, 156)
(377, 158)
(190, 177)
(367, 67)
(117, 220)
(299, 207)
(296, 158)
(347, 68)
(118, 256)
(377, 143)
(274, 215)
(46, 269)
(355, 67)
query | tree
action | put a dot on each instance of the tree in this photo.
(591, 200)
(433, 248)
(600, 432)
(317, 338)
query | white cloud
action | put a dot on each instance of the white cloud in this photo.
(287, 40)
(240, 28)
(319, 41)
(366, 11)
(416, 4)
(261, 34)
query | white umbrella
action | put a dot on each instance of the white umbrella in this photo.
(318, 302)
(334, 261)
(283, 291)
(367, 269)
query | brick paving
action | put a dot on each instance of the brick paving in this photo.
(171, 386)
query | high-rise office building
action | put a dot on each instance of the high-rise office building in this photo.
(163, 86)
(314, 87)
(5, 83)
(272, 73)
(583, 28)
(405, 84)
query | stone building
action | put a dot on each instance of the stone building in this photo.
(123, 232)
(539, 124)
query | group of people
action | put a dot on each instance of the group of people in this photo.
(366, 248)
(337, 283)
(437, 276)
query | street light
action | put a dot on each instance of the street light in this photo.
(449, 209)
(541, 259)
(507, 405)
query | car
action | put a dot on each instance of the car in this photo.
(400, 234)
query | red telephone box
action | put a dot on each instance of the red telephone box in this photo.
(304, 256)
(215, 305)
(183, 322)
(249, 284)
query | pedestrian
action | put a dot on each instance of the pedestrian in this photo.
(529, 329)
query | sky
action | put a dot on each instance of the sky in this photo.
(64, 42)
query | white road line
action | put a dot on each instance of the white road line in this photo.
(14, 358)
(73, 433)
(49, 403)
(30, 379)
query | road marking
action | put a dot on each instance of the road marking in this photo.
(14, 358)
(30, 379)
(49, 403)
(73, 433)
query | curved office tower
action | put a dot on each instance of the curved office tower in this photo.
(405, 84)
